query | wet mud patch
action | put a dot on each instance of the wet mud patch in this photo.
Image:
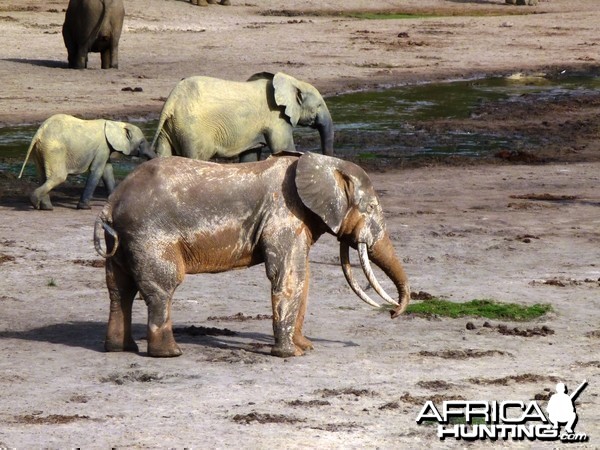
(6, 258)
(420, 400)
(240, 317)
(593, 364)
(236, 357)
(545, 197)
(308, 403)
(262, 418)
(337, 427)
(505, 330)
(52, 419)
(436, 385)
(136, 376)
(98, 263)
(462, 354)
(522, 378)
(327, 393)
(566, 282)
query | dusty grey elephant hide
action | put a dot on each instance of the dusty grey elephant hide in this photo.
(93, 26)
(205, 217)
(65, 145)
(205, 117)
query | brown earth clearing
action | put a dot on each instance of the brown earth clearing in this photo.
(522, 226)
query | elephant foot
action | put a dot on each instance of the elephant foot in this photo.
(161, 344)
(82, 205)
(114, 346)
(37, 203)
(303, 343)
(225, 3)
(164, 352)
(282, 351)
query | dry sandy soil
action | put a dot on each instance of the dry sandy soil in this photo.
(525, 233)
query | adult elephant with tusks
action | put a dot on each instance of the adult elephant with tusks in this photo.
(205, 117)
(172, 217)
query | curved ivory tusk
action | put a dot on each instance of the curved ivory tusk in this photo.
(366, 266)
(345, 260)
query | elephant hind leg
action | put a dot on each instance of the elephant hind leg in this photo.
(40, 198)
(157, 288)
(122, 289)
(163, 147)
(161, 342)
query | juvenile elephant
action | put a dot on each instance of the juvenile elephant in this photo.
(93, 26)
(205, 217)
(205, 117)
(65, 145)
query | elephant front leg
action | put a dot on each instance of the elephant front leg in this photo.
(108, 178)
(285, 312)
(109, 57)
(93, 179)
(299, 339)
(289, 289)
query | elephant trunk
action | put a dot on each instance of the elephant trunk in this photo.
(324, 124)
(383, 255)
(146, 151)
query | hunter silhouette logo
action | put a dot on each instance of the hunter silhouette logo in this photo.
(510, 419)
(561, 407)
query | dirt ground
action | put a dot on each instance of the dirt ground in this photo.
(525, 229)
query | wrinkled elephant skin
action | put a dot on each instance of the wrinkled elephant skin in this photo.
(172, 217)
(205, 117)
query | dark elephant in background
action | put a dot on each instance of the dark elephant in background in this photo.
(93, 26)
(175, 216)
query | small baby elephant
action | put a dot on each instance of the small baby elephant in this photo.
(65, 145)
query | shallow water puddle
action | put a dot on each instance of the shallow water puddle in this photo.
(385, 122)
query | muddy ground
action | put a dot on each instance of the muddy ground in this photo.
(521, 227)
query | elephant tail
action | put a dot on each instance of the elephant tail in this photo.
(161, 123)
(33, 142)
(102, 223)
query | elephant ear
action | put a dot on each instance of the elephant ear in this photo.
(326, 186)
(261, 76)
(117, 135)
(289, 95)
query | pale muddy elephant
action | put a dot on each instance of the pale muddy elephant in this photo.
(205, 117)
(93, 26)
(204, 217)
(65, 145)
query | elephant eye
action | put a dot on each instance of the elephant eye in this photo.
(371, 207)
